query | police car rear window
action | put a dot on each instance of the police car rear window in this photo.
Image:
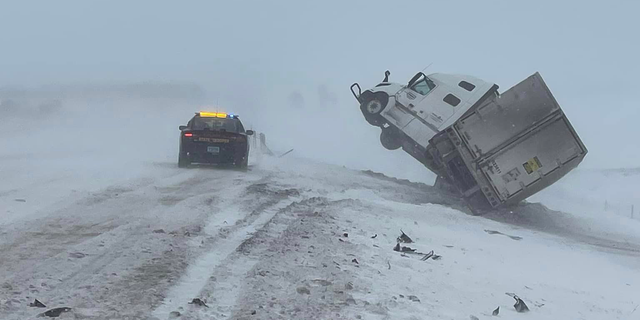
(215, 124)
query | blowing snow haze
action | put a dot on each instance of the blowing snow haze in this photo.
(286, 65)
(92, 94)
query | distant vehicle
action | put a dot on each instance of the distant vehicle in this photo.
(494, 149)
(214, 138)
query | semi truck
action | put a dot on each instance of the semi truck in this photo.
(493, 149)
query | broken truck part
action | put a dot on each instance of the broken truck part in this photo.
(494, 149)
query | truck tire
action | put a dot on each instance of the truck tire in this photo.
(183, 160)
(390, 138)
(372, 105)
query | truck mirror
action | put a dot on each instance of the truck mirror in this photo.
(249, 132)
(182, 127)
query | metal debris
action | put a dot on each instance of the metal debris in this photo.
(56, 312)
(504, 234)
(374, 236)
(199, 302)
(404, 238)
(496, 311)
(37, 304)
(520, 306)
(355, 261)
(346, 235)
(413, 298)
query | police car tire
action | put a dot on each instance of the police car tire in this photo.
(183, 161)
(243, 164)
(390, 139)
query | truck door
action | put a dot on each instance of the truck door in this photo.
(423, 97)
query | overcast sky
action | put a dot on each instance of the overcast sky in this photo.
(253, 55)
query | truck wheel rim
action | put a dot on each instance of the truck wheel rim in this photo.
(374, 106)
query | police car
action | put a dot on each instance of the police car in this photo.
(214, 138)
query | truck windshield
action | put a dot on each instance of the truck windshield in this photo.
(216, 124)
(423, 86)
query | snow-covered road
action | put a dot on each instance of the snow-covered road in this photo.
(295, 239)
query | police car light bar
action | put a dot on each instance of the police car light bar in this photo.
(212, 114)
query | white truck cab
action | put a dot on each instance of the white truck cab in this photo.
(496, 149)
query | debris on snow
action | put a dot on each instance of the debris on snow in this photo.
(397, 247)
(174, 314)
(413, 298)
(355, 261)
(346, 235)
(472, 317)
(348, 286)
(303, 290)
(20, 200)
(322, 282)
(78, 255)
(374, 236)
(404, 238)
(496, 311)
(55, 312)
(158, 231)
(37, 304)
(504, 234)
(520, 306)
(199, 302)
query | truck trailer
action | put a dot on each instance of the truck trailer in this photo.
(494, 149)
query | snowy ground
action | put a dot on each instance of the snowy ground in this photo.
(134, 237)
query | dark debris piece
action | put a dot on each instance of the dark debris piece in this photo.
(355, 261)
(520, 306)
(37, 304)
(199, 302)
(56, 312)
(374, 236)
(407, 249)
(346, 235)
(496, 311)
(404, 238)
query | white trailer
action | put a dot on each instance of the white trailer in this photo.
(495, 149)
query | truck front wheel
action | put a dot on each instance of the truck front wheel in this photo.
(390, 139)
(372, 105)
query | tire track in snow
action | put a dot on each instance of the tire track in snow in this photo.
(198, 274)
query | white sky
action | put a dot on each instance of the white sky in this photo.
(251, 55)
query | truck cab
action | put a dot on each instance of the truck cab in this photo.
(410, 115)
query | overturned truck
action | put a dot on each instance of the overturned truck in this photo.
(494, 149)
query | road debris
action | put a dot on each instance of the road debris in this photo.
(346, 235)
(504, 234)
(472, 317)
(37, 304)
(78, 255)
(413, 298)
(520, 306)
(286, 153)
(303, 290)
(55, 312)
(374, 236)
(20, 200)
(355, 261)
(496, 311)
(404, 238)
(198, 302)
(174, 314)
(158, 231)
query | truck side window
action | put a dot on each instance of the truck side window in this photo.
(451, 99)
(423, 87)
